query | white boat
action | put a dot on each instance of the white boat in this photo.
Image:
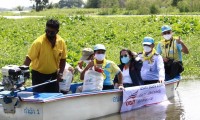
(76, 106)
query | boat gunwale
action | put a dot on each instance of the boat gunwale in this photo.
(74, 95)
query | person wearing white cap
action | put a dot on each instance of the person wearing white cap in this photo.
(171, 49)
(152, 70)
(105, 66)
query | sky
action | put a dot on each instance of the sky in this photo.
(14, 3)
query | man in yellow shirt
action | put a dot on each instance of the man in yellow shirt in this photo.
(47, 58)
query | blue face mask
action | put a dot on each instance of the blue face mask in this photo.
(125, 60)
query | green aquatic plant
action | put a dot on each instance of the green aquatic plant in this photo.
(115, 32)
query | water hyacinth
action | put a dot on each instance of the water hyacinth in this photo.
(115, 32)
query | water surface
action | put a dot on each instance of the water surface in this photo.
(184, 106)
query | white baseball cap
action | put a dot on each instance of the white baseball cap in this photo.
(99, 47)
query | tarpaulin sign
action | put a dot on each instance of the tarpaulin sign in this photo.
(135, 97)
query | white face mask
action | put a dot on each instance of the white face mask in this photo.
(99, 57)
(147, 48)
(168, 36)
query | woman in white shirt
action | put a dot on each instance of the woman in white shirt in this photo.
(130, 67)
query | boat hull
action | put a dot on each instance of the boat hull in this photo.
(74, 106)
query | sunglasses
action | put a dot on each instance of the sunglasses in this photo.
(100, 52)
(121, 56)
(147, 45)
(166, 32)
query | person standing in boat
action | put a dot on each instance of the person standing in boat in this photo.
(106, 66)
(47, 58)
(152, 70)
(130, 67)
(171, 49)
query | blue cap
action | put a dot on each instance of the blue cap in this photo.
(165, 28)
(99, 47)
(148, 41)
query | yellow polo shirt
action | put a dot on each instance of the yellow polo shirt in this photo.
(44, 58)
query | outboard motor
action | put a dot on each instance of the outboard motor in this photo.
(14, 76)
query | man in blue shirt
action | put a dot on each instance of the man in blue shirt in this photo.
(153, 67)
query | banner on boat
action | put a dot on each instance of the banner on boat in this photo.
(135, 97)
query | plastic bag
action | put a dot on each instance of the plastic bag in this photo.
(93, 81)
(67, 79)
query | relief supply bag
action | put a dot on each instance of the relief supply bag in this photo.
(93, 81)
(67, 79)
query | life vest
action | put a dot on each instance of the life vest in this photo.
(169, 49)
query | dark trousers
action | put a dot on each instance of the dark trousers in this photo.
(146, 82)
(38, 78)
(107, 87)
(128, 85)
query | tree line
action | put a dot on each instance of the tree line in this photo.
(138, 6)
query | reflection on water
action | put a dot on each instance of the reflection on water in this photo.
(157, 110)
(189, 97)
(184, 106)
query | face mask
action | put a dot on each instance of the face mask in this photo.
(168, 36)
(147, 48)
(99, 57)
(125, 60)
(87, 61)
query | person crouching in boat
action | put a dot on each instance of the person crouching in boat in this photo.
(130, 67)
(171, 49)
(152, 70)
(106, 66)
(86, 58)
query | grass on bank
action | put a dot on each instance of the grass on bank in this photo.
(115, 33)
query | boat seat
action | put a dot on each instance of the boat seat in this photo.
(74, 86)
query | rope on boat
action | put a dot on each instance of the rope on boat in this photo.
(34, 86)
(44, 83)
